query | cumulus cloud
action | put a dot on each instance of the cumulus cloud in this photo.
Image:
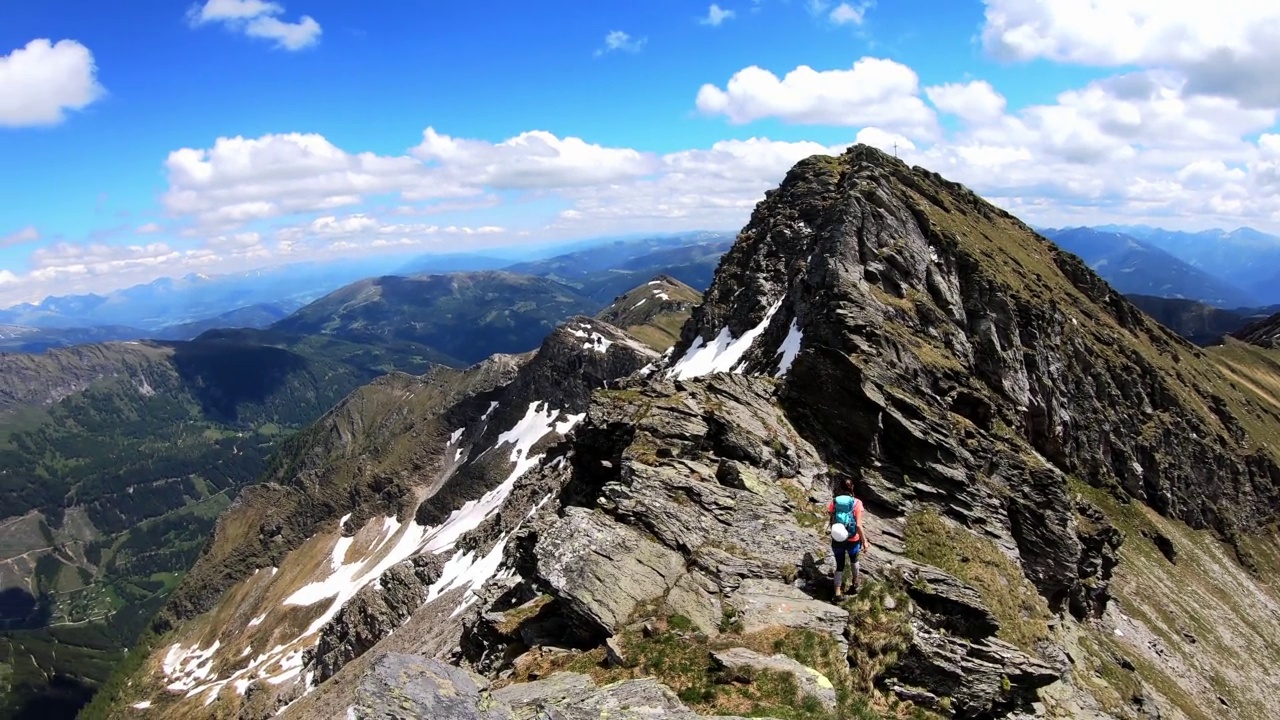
(242, 179)
(258, 19)
(26, 235)
(535, 159)
(874, 91)
(1230, 51)
(716, 15)
(975, 101)
(41, 81)
(619, 41)
(148, 228)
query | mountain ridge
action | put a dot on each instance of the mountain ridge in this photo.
(1069, 504)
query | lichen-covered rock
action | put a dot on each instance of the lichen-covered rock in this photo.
(762, 604)
(570, 696)
(979, 679)
(741, 664)
(410, 687)
(602, 570)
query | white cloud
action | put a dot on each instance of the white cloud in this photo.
(716, 15)
(976, 100)
(1144, 146)
(850, 14)
(616, 40)
(7, 277)
(26, 235)
(1229, 49)
(240, 179)
(535, 159)
(40, 82)
(148, 228)
(257, 18)
(874, 91)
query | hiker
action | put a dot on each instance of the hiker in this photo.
(847, 533)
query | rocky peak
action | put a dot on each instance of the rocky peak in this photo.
(887, 290)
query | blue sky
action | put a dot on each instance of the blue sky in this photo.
(114, 171)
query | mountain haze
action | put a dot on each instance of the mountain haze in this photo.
(1244, 257)
(1136, 268)
(1071, 509)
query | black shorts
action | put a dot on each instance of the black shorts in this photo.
(848, 547)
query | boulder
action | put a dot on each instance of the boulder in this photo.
(763, 604)
(410, 687)
(570, 696)
(740, 664)
(985, 678)
(602, 570)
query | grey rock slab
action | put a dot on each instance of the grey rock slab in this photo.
(409, 687)
(764, 603)
(570, 696)
(811, 682)
(603, 570)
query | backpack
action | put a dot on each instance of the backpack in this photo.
(845, 505)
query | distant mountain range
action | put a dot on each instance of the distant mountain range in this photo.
(1246, 258)
(1134, 266)
(181, 308)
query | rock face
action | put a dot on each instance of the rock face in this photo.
(603, 570)
(923, 317)
(660, 521)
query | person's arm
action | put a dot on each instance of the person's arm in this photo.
(862, 529)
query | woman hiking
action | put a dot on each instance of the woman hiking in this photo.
(847, 533)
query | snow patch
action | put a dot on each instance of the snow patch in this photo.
(493, 405)
(642, 300)
(254, 623)
(723, 352)
(661, 295)
(190, 668)
(456, 436)
(141, 705)
(789, 349)
(597, 342)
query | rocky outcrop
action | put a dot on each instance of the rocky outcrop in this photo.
(410, 687)
(926, 329)
(375, 609)
(1263, 333)
(742, 665)
(601, 570)
(569, 696)
(981, 679)
(402, 687)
